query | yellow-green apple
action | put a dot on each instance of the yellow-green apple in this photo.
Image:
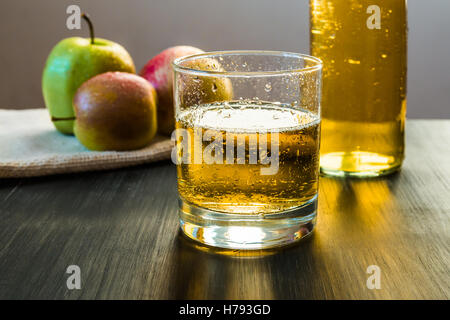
(73, 61)
(115, 111)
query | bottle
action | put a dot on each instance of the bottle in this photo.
(363, 44)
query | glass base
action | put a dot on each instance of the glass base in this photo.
(358, 164)
(247, 232)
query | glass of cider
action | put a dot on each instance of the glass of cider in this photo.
(247, 147)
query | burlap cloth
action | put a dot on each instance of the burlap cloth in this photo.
(31, 146)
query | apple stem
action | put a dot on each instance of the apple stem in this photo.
(63, 119)
(86, 17)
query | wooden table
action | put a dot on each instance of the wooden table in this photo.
(121, 228)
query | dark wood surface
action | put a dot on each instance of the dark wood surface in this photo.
(121, 228)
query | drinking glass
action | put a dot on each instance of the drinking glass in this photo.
(247, 146)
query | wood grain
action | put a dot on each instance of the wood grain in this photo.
(121, 228)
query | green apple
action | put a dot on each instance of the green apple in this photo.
(73, 61)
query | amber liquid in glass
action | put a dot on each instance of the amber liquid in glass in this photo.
(240, 188)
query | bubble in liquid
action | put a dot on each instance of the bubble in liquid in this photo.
(268, 87)
(351, 61)
(227, 114)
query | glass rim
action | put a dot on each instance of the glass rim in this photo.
(176, 64)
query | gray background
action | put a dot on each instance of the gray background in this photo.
(29, 29)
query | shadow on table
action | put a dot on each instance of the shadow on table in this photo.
(354, 215)
(203, 272)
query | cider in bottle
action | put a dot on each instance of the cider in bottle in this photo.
(363, 45)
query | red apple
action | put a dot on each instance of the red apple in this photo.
(115, 111)
(158, 71)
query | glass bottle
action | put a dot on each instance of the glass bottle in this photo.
(363, 44)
